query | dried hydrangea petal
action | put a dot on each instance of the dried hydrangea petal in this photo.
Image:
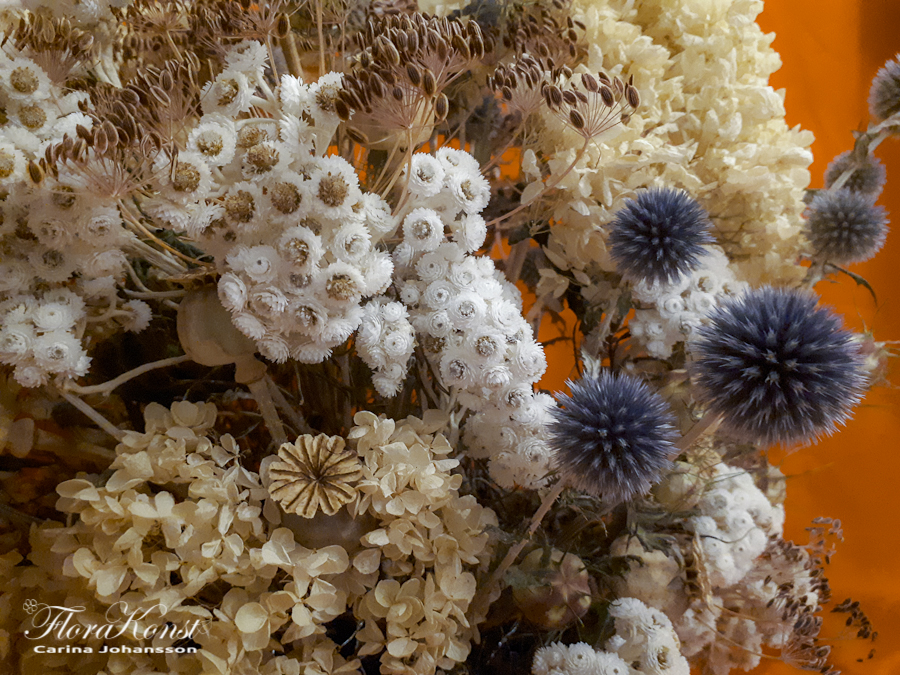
(314, 473)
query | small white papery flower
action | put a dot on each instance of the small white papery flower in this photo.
(453, 159)
(16, 342)
(423, 229)
(57, 351)
(249, 325)
(398, 344)
(111, 262)
(426, 176)
(293, 95)
(214, 138)
(268, 301)
(30, 376)
(260, 263)
(456, 370)
(439, 294)
(140, 316)
(247, 56)
(393, 311)
(275, 348)
(409, 294)
(351, 242)
(51, 316)
(470, 191)
(470, 232)
(377, 269)
(467, 310)
(24, 80)
(432, 266)
(232, 292)
(229, 94)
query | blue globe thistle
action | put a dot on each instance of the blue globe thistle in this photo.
(868, 177)
(884, 96)
(613, 437)
(777, 367)
(659, 236)
(845, 226)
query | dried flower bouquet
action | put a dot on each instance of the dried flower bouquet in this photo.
(272, 276)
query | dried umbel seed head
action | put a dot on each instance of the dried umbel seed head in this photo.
(551, 589)
(315, 473)
(285, 197)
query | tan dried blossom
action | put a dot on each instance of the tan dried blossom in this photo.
(315, 472)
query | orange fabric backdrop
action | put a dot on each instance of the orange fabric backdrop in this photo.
(831, 50)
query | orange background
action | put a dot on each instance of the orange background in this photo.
(831, 50)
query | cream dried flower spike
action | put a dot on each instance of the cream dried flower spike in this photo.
(314, 473)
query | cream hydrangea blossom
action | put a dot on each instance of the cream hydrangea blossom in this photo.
(708, 123)
(429, 545)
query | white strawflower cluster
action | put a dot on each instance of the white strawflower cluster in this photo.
(645, 643)
(740, 561)
(385, 341)
(510, 430)
(646, 639)
(53, 235)
(576, 659)
(679, 308)
(734, 524)
(39, 336)
(291, 231)
(469, 317)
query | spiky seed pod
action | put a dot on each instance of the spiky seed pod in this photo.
(868, 177)
(884, 96)
(613, 437)
(777, 367)
(845, 226)
(659, 235)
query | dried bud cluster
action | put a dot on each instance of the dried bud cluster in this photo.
(404, 65)
(602, 104)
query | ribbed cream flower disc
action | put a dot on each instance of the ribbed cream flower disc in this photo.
(315, 472)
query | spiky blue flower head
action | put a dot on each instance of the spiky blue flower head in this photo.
(868, 174)
(884, 96)
(845, 226)
(613, 437)
(659, 235)
(777, 367)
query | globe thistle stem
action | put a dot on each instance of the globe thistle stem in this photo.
(482, 598)
(707, 424)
